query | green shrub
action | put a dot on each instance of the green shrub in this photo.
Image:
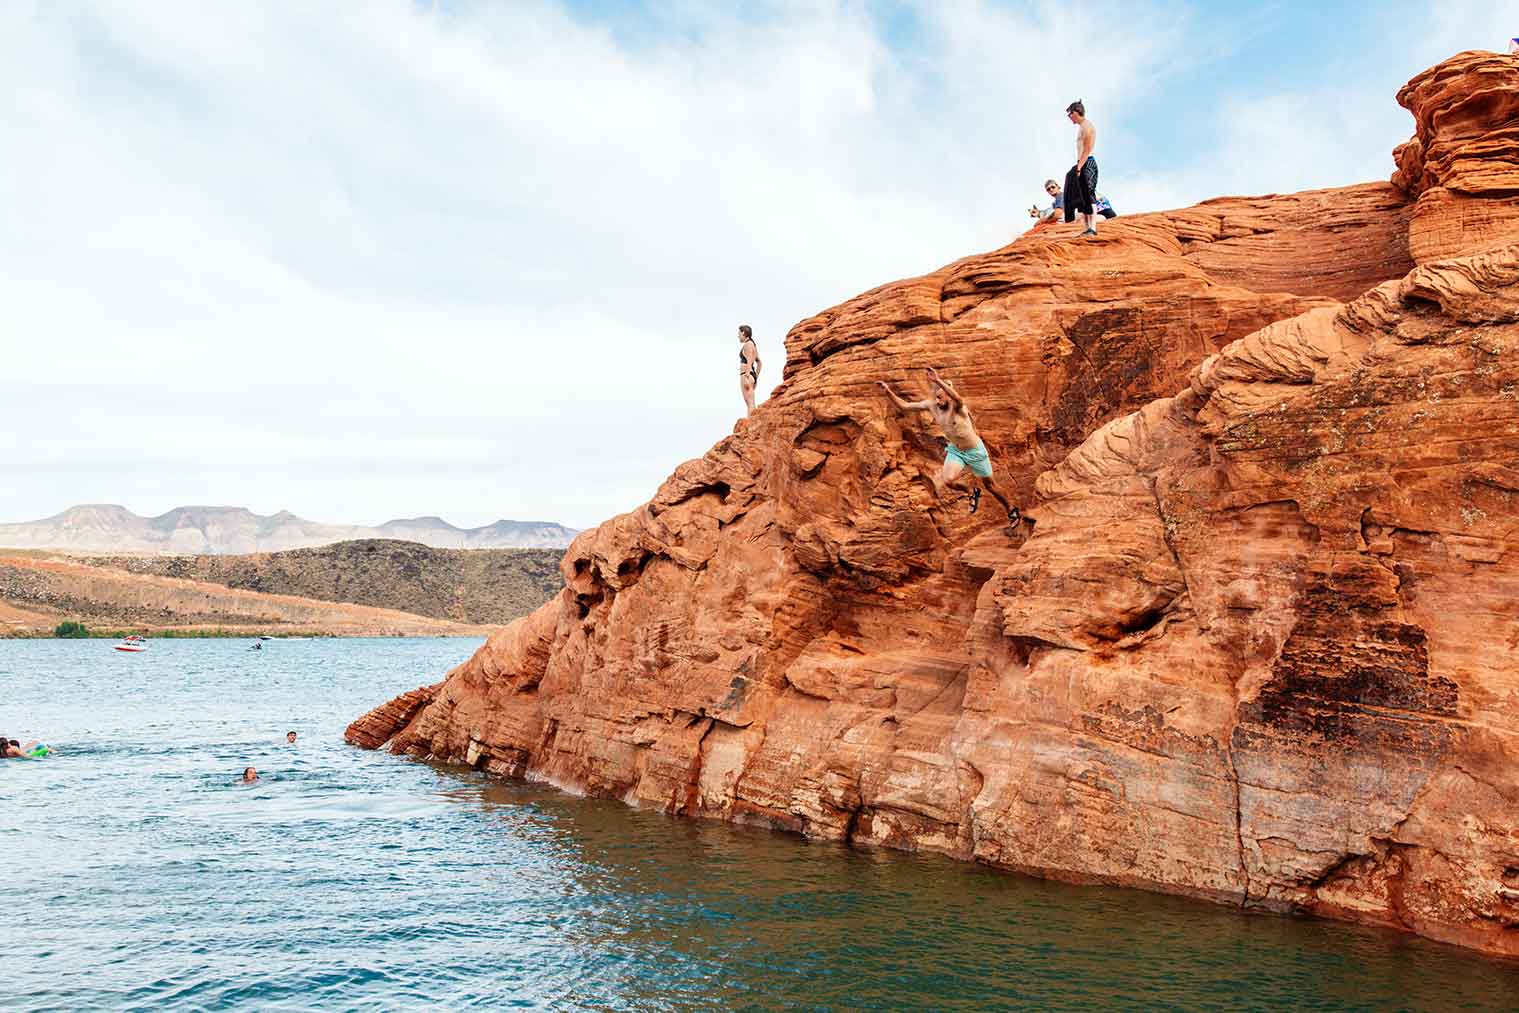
(71, 629)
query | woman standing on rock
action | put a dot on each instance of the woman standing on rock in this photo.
(748, 366)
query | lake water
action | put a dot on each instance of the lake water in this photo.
(136, 875)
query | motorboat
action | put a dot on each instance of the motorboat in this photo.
(133, 644)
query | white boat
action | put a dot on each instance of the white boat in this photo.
(133, 644)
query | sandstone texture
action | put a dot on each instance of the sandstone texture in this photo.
(1255, 642)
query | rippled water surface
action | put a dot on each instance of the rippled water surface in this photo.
(135, 874)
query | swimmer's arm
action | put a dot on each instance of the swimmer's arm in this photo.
(904, 406)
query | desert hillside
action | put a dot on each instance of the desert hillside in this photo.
(38, 591)
(477, 586)
(1253, 642)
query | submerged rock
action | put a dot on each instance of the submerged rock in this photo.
(1255, 642)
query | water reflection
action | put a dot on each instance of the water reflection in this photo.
(141, 877)
(750, 916)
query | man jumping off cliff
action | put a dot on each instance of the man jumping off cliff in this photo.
(748, 366)
(1081, 181)
(964, 449)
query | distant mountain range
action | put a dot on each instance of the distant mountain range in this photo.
(196, 530)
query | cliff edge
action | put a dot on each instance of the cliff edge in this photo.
(1255, 642)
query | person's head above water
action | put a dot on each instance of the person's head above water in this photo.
(744, 333)
(289, 736)
(9, 747)
(1075, 111)
(249, 774)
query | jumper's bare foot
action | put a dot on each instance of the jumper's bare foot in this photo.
(975, 498)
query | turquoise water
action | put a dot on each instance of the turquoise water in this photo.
(136, 875)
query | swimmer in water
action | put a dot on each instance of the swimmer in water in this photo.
(249, 775)
(290, 737)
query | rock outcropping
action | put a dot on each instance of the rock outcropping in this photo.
(1256, 642)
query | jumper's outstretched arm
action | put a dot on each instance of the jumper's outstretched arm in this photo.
(904, 406)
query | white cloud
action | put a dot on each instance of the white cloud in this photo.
(488, 261)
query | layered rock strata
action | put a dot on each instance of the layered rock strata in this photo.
(1256, 641)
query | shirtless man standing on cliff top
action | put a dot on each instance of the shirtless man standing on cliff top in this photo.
(1081, 181)
(748, 366)
(965, 449)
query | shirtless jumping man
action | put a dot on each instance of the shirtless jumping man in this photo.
(748, 366)
(1081, 181)
(965, 449)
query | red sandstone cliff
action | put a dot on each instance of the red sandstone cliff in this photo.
(1256, 642)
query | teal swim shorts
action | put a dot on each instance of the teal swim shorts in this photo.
(977, 460)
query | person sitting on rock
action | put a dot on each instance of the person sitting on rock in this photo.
(748, 366)
(1050, 213)
(1101, 205)
(964, 449)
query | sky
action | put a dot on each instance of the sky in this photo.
(487, 260)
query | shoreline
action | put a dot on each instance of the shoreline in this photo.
(234, 634)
